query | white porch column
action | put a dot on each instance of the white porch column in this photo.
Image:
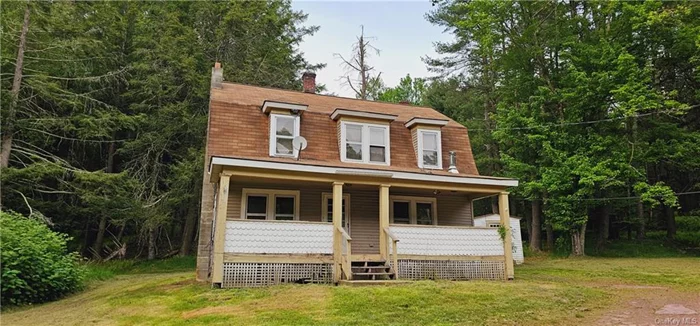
(337, 224)
(504, 212)
(383, 220)
(220, 228)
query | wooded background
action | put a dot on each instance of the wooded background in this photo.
(593, 106)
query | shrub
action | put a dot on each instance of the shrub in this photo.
(688, 223)
(35, 265)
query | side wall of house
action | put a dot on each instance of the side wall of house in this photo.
(453, 210)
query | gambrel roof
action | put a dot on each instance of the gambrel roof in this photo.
(238, 128)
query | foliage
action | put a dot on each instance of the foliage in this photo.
(580, 101)
(35, 264)
(112, 113)
(410, 90)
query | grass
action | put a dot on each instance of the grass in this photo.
(104, 271)
(546, 291)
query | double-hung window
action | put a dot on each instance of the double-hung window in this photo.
(429, 149)
(364, 143)
(283, 129)
(270, 204)
(413, 210)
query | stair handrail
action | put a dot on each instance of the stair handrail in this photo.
(346, 264)
(394, 240)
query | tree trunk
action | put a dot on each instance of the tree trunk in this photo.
(110, 157)
(550, 236)
(494, 205)
(604, 227)
(152, 243)
(99, 240)
(536, 235)
(641, 228)
(578, 241)
(188, 232)
(9, 130)
(670, 221)
(528, 224)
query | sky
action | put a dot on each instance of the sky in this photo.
(399, 31)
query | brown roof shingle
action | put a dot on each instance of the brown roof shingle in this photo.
(239, 129)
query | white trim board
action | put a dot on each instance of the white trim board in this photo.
(337, 113)
(426, 121)
(234, 162)
(269, 105)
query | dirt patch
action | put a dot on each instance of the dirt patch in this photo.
(652, 305)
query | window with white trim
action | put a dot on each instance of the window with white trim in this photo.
(283, 129)
(413, 210)
(270, 204)
(364, 143)
(429, 149)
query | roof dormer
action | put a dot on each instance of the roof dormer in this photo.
(427, 141)
(285, 124)
(363, 137)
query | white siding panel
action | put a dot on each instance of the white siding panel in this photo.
(441, 241)
(261, 237)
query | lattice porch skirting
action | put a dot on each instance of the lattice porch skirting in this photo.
(263, 274)
(451, 269)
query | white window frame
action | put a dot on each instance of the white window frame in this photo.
(412, 208)
(324, 209)
(421, 165)
(273, 134)
(365, 142)
(271, 195)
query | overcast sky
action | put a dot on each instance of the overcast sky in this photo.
(399, 29)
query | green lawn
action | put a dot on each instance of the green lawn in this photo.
(546, 291)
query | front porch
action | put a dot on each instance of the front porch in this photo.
(283, 227)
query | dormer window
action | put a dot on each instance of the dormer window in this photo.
(364, 143)
(427, 139)
(284, 126)
(429, 149)
(283, 129)
(363, 137)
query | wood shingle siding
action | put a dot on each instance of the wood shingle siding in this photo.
(238, 128)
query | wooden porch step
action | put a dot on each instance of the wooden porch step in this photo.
(373, 273)
(373, 282)
(371, 270)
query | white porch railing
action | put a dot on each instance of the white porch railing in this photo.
(447, 240)
(278, 237)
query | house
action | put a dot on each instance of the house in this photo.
(380, 191)
(494, 221)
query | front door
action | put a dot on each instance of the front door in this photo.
(328, 210)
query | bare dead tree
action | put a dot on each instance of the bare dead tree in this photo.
(357, 69)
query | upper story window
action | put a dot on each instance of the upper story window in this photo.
(429, 149)
(284, 126)
(283, 129)
(364, 143)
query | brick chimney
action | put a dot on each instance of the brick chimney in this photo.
(217, 75)
(309, 82)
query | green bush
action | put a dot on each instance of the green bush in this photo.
(688, 223)
(35, 265)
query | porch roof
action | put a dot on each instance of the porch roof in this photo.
(217, 164)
